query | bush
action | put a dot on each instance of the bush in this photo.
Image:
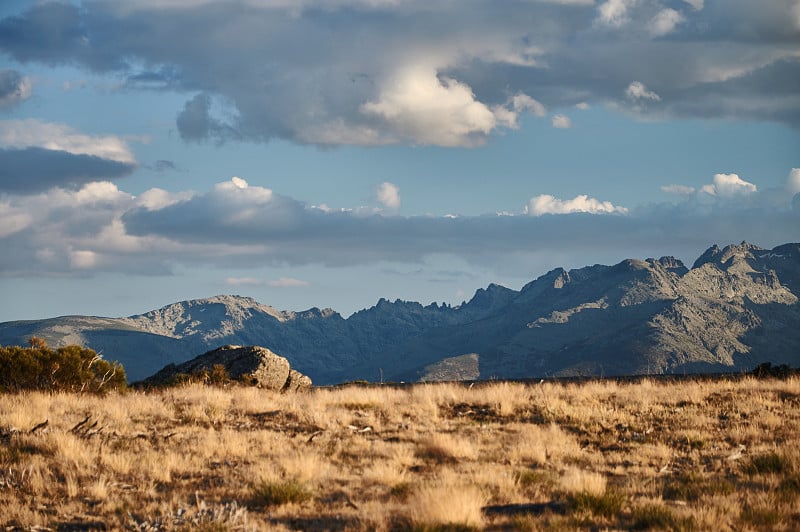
(71, 368)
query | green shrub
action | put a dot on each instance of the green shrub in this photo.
(276, 493)
(71, 368)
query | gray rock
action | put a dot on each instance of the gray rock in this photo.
(254, 364)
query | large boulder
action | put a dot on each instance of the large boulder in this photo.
(253, 364)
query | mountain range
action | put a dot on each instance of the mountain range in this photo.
(734, 308)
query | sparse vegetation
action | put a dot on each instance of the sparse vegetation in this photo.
(691, 455)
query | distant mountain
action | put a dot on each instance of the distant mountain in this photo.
(736, 307)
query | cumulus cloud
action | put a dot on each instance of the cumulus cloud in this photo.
(368, 72)
(728, 185)
(14, 88)
(547, 204)
(420, 107)
(637, 91)
(665, 22)
(388, 195)
(561, 122)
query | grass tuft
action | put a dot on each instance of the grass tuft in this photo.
(277, 493)
(765, 464)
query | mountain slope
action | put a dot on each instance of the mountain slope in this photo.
(736, 307)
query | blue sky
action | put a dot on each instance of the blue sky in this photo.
(331, 153)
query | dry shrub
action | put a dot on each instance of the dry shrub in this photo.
(505, 397)
(575, 480)
(538, 444)
(445, 448)
(447, 504)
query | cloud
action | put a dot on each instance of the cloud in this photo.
(582, 106)
(680, 190)
(288, 282)
(36, 155)
(728, 185)
(388, 195)
(164, 165)
(37, 169)
(418, 106)
(637, 91)
(614, 12)
(100, 228)
(195, 122)
(665, 22)
(390, 72)
(547, 204)
(33, 133)
(14, 88)
(561, 122)
(793, 181)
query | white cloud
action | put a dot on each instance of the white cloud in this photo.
(547, 204)
(561, 122)
(419, 106)
(696, 4)
(522, 102)
(388, 194)
(582, 106)
(638, 91)
(615, 12)
(288, 282)
(680, 190)
(83, 259)
(157, 198)
(665, 22)
(31, 132)
(793, 181)
(728, 185)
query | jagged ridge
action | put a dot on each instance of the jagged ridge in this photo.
(736, 307)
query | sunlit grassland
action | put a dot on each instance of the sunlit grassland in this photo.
(603, 454)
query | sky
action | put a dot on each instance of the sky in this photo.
(329, 153)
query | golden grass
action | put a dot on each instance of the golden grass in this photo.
(601, 454)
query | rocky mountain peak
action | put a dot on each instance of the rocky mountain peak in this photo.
(491, 296)
(670, 264)
(727, 255)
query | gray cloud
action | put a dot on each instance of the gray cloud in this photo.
(365, 72)
(14, 88)
(31, 170)
(101, 228)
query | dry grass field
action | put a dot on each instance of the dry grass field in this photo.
(500, 456)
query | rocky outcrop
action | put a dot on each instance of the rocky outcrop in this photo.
(252, 364)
